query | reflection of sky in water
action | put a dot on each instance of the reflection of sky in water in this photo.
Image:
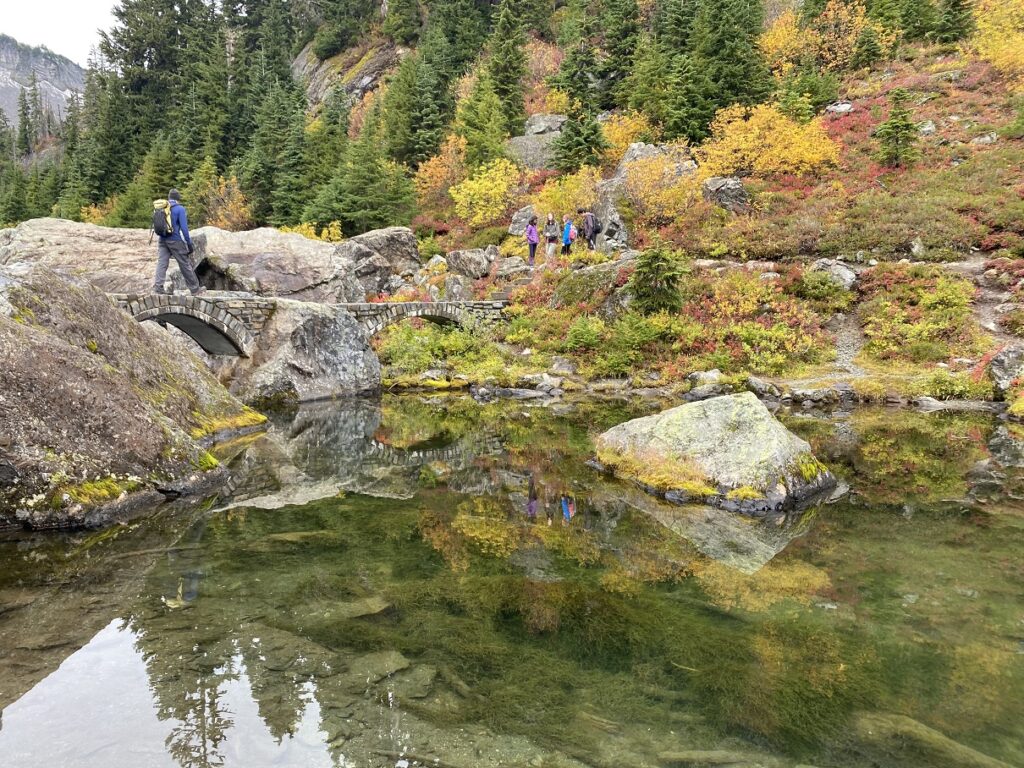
(97, 710)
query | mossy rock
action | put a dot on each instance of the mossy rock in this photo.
(728, 451)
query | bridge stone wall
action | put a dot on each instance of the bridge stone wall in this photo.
(375, 317)
(228, 323)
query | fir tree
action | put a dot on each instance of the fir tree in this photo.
(673, 24)
(868, 49)
(725, 51)
(955, 21)
(578, 78)
(650, 81)
(580, 143)
(291, 180)
(199, 190)
(898, 135)
(257, 170)
(12, 203)
(506, 67)
(654, 284)
(621, 19)
(480, 122)
(24, 142)
(691, 101)
(368, 191)
(402, 23)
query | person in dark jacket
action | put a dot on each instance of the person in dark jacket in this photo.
(589, 225)
(179, 245)
(552, 234)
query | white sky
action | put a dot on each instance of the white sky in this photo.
(68, 27)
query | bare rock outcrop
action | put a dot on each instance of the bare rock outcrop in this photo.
(98, 413)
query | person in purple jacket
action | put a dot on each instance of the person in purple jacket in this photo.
(177, 243)
(532, 238)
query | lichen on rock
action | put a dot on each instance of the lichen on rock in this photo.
(727, 451)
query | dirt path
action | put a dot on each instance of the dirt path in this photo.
(988, 299)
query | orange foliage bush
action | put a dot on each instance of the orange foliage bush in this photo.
(440, 173)
(227, 207)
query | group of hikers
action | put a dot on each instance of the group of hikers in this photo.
(567, 234)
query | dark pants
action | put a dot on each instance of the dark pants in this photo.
(167, 248)
(533, 252)
(592, 242)
(566, 249)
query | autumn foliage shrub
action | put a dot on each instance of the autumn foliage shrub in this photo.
(435, 178)
(999, 36)
(661, 187)
(487, 196)
(621, 130)
(919, 313)
(762, 140)
(567, 194)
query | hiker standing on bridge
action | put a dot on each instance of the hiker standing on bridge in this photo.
(170, 223)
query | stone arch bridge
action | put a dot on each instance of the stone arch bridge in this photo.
(229, 323)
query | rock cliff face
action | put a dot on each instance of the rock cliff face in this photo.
(56, 76)
(355, 71)
(262, 261)
(98, 413)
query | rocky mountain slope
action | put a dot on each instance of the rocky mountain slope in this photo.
(57, 76)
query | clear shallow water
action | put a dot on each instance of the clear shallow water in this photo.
(372, 589)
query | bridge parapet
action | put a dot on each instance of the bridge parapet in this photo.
(374, 317)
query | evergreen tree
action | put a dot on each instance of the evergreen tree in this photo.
(673, 24)
(12, 204)
(868, 49)
(257, 171)
(725, 52)
(291, 180)
(506, 67)
(621, 20)
(578, 78)
(198, 191)
(397, 107)
(462, 24)
(134, 206)
(898, 135)
(654, 284)
(955, 21)
(580, 143)
(402, 23)
(650, 81)
(480, 122)
(368, 191)
(25, 142)
(691, 101)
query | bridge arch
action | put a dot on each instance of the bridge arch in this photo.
(212, 327)
(376, 317)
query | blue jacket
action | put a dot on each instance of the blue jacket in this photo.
(567, 233)
(179, 224)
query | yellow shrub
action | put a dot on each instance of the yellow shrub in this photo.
(999, 36)
(762, 140)
(568, 194)
(440, 173)
(656, 187)
(557, 102)
(487, 196)
(622, 130)
(227, 207)
(784, 43)
(329, 234)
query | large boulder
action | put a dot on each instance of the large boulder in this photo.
(263, 261)
(115, 260)
(535, 152)
(682, 161)
(727, 192)
(472, 262)
(272, 263)
(354, 71)
(307, 351)
(613, 236)
(520, 220)
(544, 123)
(97, 412)
(589, 283)
(727, 451)
(1006, 367)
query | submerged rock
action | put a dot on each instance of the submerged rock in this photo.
(97, 411)
(901, 741)
(728, 451)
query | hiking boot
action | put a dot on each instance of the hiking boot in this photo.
(159, 291)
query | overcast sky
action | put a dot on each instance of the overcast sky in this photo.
(68, 27)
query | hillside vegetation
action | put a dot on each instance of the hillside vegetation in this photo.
(869, 132)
